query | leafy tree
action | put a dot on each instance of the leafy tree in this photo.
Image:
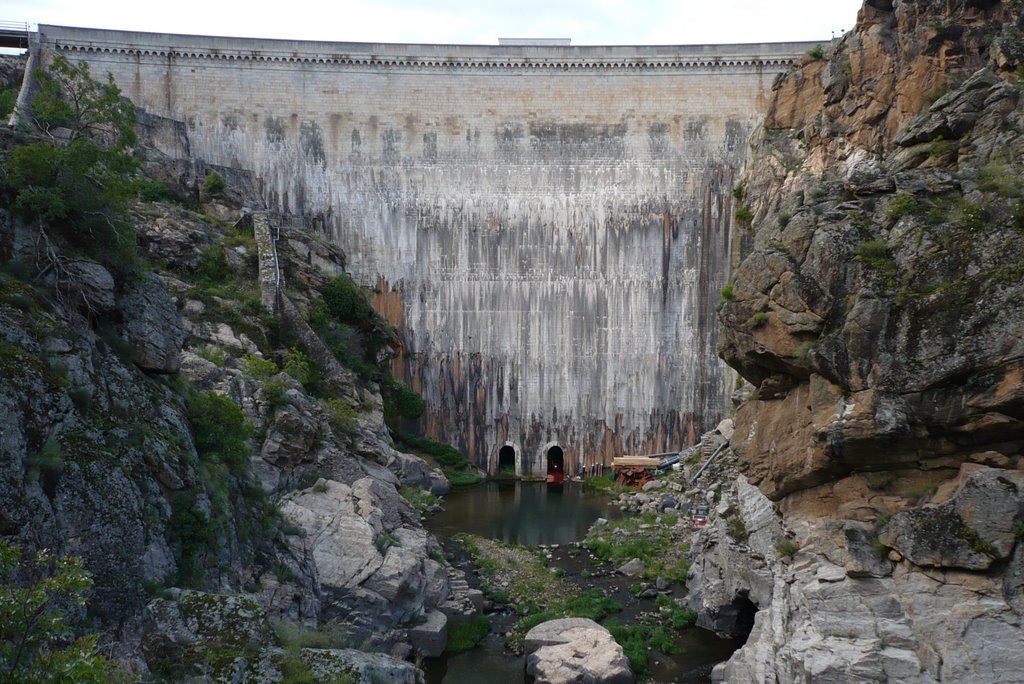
(36, 645)
(78, 174)
(220, 430)
(214, 184)
(346, 301)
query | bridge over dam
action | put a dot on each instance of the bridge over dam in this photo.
(547, 226)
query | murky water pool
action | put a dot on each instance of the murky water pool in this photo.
(525, 513)
(530, 514)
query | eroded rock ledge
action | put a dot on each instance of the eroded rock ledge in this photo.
(878, 315)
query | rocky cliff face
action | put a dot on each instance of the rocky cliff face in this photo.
(878, 315)
(119, 393)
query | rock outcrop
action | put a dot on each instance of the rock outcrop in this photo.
(878, 311)
(575, 650)
(298, 521)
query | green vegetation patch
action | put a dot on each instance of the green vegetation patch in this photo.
(464, 637)
(418, 498)
(651, 538)
(536, 592)
(220, 429)
(36, 643)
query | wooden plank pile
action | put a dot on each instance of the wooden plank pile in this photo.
(632, 470)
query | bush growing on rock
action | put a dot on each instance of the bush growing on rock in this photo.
(220, 430)
(36, 644)
(76, 179)
(258, 367)
(213, 184)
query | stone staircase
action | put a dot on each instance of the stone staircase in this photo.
(463, 602)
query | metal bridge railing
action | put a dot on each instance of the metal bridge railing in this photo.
(14, 34)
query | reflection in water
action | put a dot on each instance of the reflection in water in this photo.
(527, 513)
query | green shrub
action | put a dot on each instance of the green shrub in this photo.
(593, 604)
(297, 365)
(258, 367)
(79, 187)
(215, 355)
(345, 300)
(400, 402)
(213, 184)
(213, 266)
(736, 528)
(464, 637)
(36, 645)
(8, 99)
(759, 319)
(969, 216)
(418, 498)
(919, 492)
(192, 531)
(219, 429)
(784, 220)
(1018, 216)
(727, 291)
(149, 190)
(274, 392)
(445, 454)
(743, 215)
(739, 191)
(458, 478)
(903, 205)
(816, 52)
(875, 253)
(681, 618)
(48, 461)
(343, 417)
(787, 548)
(81, 397)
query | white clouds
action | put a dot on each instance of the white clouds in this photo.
(461, 21)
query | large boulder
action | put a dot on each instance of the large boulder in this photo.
(181, 633)
(89, 285)
(371, 558)
(576, 650)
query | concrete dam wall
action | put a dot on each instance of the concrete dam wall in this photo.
(548, 227)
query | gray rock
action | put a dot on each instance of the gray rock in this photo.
(88, 284)
(431, 636)
(632, 568)
(177, 632)
(972, 531)
(586, 655)
(554, 632)
(152, 325)
(368, 557)
(865, 558)
(328, 664)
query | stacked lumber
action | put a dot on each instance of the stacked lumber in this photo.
(635, 462)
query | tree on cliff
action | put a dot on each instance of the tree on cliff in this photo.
(77, 173)
(36, 645)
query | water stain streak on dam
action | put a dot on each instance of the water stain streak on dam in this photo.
(548, 227)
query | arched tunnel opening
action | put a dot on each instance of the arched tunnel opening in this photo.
(556, 465)
(744, 611)
(507, 460)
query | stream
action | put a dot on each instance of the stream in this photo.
(532, 514)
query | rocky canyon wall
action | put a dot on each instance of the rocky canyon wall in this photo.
(879, 321)
(547, 227)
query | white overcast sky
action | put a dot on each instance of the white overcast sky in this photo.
(586, 22)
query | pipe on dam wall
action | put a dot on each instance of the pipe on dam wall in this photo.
(548, 227)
